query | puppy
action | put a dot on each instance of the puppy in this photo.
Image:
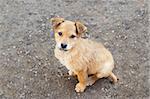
(82, 57)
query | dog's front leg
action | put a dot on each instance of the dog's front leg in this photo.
(82, 77)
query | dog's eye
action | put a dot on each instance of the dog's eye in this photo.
(60, 33)
(72, 36)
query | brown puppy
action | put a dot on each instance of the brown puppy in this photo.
(82, 57)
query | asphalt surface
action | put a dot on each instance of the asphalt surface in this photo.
(29, 70)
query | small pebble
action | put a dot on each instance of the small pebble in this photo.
(132, 72)
(35, 72)
(14, 46)
(40, 63)
(25, 86)
(48, 94)
(1, 92)
(22, 77)
(43, 24)
(112, 31)
(69, 78)
(20, 51)
(30, 35)
(3, 53)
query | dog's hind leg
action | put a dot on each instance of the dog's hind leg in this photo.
(91, 80)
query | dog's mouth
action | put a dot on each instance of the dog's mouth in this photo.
(62, 49)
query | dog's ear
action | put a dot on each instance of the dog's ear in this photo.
(80, 28)
(56, 22)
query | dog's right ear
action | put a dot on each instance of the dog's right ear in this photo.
(80, 28)
(56, 22)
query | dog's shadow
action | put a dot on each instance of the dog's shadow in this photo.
(100, 84)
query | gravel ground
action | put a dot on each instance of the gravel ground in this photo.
(29, 70)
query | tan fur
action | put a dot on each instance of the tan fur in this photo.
(84, 57)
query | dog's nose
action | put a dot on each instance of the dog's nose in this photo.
(63, 45)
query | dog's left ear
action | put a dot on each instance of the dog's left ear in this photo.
(56, 22)
(80, 28)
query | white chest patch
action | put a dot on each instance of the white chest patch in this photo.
(64, 59)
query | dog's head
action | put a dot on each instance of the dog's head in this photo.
(67, 33)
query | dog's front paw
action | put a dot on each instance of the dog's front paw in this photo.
(71, 73)
(80, 87)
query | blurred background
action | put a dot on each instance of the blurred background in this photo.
(29, 70)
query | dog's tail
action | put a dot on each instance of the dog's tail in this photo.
(113, 77)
